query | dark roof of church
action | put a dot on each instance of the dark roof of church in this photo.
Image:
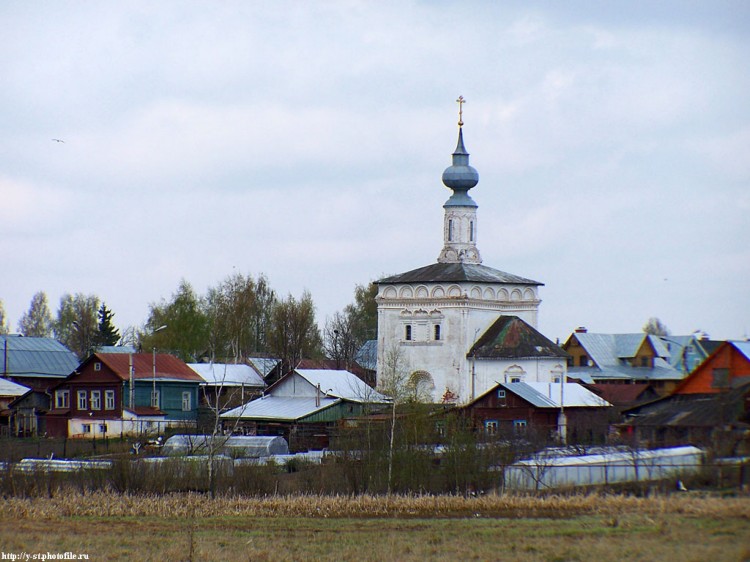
(457, 272)
(511, 337)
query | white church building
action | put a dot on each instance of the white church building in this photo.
(459, 327)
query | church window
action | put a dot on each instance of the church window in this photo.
(515, 379)
(471, 231)
(407, 333)
(450, 230)
(437, 332)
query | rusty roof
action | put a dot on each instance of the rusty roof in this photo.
(167, 366)
(511, 337)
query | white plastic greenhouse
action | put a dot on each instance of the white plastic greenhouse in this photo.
(546, 472)
(246, 446)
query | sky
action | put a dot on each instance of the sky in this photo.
(306, 141)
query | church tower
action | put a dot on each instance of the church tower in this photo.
(431, 318)
(460, 223)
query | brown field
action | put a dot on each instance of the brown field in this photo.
(109, 526)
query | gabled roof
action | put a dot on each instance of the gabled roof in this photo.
(168, 367)
(35, 357)
(621, 394)
(263, 365)
(743, 347)
(511, 337)
(341, 384)
(10, 388)
(457, 273)
(551, 395)
(215, 374)
(280, 408)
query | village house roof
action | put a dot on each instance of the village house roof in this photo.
(341, 384)
(22, 356)
(280, 408)
(511, 337)
(227, 374)
(551, 395)
(168, 367)
(10, 388)
(457, 273)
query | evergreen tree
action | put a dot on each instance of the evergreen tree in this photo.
(108, 334)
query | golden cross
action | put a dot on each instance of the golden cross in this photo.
(460, 101)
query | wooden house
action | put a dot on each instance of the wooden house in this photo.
(124, 394)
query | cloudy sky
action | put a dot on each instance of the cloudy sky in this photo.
(306, 140)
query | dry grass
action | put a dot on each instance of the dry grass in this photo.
(108, 504)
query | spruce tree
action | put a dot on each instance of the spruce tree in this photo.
(108, 334)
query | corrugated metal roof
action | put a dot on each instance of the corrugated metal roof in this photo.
(228, 374)
(10, 388)
(264, 365)
(548, 395)
(280, 408)
(35, 357)
(457, 273)
(342, 384)
(743, 347)
(367, 356)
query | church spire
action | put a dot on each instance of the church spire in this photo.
(460, 224)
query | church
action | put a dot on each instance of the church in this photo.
(458, 327)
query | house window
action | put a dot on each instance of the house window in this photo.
(97, 366)
(407, 334)
(515, 379)
(490, 427)
(187, 402)
(62, 399)
(109, 399)
(583, 361)
(154, 398)
(519, 425)
(82, 400)
(437, 332)
(501, 393)
(645, 361)
(96, 399)
(102, 428)
(86, 428)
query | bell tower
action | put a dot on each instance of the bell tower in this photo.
(460, 222)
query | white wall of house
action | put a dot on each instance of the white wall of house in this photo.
(91, 428)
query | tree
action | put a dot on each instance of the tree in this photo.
(394, 383)
(238, 311)
(339, 341)
(76, 326)
(363, 312)
(3, 320)
(107, 334)
(187, 325)
(294, 332)
(37, 321)
(655, 327)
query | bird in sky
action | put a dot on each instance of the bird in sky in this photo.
(58, 140)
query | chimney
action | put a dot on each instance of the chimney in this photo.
(581, 330)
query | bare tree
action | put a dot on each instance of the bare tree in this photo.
(37, 321)
(339, 340)
(294, 332)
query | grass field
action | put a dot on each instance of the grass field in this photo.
(366, 528)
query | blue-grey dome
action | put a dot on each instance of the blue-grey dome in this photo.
(460, 177)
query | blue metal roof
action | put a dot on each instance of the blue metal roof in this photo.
(35, 357)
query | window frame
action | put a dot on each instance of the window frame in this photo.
(62, 398)
(109, 400)
(95, 399)
(83, 400)
(187, 399)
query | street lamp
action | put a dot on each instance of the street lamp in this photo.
(154, 401)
